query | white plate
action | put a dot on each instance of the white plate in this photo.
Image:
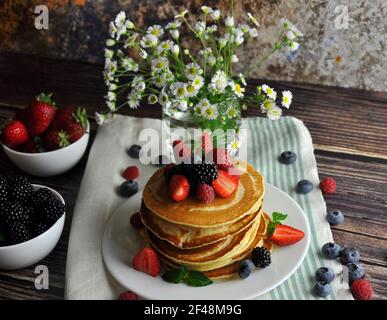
(121, 242)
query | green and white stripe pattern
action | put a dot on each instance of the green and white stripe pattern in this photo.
(266, 141)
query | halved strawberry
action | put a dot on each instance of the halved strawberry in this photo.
(284, 235)
(222, 158)
(181, 150)
(179, 187)
(225, 184)
(146, 260)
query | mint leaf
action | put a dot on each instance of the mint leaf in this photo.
(197, 279)
(175, 275)
(278, 216)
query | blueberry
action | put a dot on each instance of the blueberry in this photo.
(348, 255)
(331, 250)
(245, 268)
(128, 188)
(335, 217)
(322, 289)
(288, 157)
(355, 271)
(325, 274)
(134, 151)
(161, 160)
(304, 186)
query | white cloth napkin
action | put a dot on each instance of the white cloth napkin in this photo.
(86, 275)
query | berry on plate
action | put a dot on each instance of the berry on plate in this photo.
(348, 255)
(245, 268)
(328, 186)
(134, 151)
(355, 271)
(261, 257)
(128, 188)
(284, 235)
(304, 186)
(205, 193)
(147, 261)
(361, 290)
(331, 250)
(135, 221)
(14, 134)
(322, 289)
(335, 217)
(131, 173)
(288, 157)
(325, 274)
(221, 158)
(205, 172)
(225, 184)
(40, 114)
(54, 140)
(128, 295)
(179, 187)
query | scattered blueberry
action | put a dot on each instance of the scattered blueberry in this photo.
(245, 268)
(355, 271)
(161, 160)
(335, 217)
(134, 151)
(128, 188)
(322, 289)
(304, 186)
(325, 274)
(288, 157)
(348, 255)
(331, 250)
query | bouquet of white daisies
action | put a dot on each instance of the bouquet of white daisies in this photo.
(153, 66)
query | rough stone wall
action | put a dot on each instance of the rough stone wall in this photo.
(352, 57)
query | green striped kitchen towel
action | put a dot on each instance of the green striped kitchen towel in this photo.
(86, 276)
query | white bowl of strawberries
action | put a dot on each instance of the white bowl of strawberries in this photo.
(44, 140)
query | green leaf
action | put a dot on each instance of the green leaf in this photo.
(197, 279)
(175, 275)
(278, 216)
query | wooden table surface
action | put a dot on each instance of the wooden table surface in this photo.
(348, 127)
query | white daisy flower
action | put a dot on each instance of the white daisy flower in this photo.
(129, 64)
(112, 86)
(160, 63)
(192, 91)
(174, 33)
(234, 58)
(175, 49)
(253, 32)
(237, 89)
(136, 80)
(215, 14)
(100, 118)
(134, 99)
(181, 14)
(143, 54)
(180, 104)
(212, 29)
(274, 113)
(209, 112)
(111, 105)
(244, 27)
(287, 97)
(198, 82)
(111, 96)
(156, 30)
(229, 22)
(242, 78)
(222, 42)
(290, 35)
(204, 103)
(140, 86)
(293, 46)
(205, 9)
(269, 91)
(120, 19)
(200, 26)
(165, 46)
(219, 81)
(173, 24)
(231, 112)
(252, 19)
(197, 110)
(159, 81)
(179, 90)
(163, 99)
(290, 26)
(266, 105)
(109, 54)
(148, 41)
(152, 99)
(233, 147)
(112, 29)
(193, 70)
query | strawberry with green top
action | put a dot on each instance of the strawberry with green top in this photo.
(71, 119)
(14, 134)
(283, 235)
(39, 115)
(54, 140)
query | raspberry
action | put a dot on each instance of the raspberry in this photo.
(135, 221)
(131, 173)
(205, 193)
(128, 295)
(361, 290)
(328, 186)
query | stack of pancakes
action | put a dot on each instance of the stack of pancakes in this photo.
(212, 238)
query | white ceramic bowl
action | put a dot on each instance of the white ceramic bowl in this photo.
(28, 253)
(51, 163)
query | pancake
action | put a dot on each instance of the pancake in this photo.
(187, 237)
(244, 201)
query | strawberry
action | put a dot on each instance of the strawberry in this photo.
(225, 184)
(74, 130)
(206, 143)
(67, 115)
(131, 173)
(179, 187)
(54, 140)
(14, 134)
(284, 235)
(32, 145)
(222, 158)
(40, 114)
(146, 260)
(181, 150)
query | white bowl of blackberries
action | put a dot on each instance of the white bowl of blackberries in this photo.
(31, 222)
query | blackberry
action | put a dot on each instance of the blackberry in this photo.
(18, 233)
(11, 213)
(51, 210)
(40, 196)
(20, 189)
(38, 228)
(261, 257)
(3, 189)
(205, 172)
